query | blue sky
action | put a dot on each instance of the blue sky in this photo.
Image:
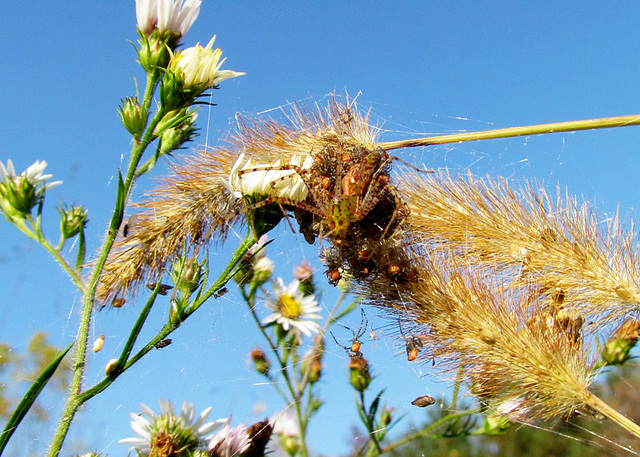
(422, 67)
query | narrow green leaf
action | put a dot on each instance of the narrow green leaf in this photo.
(82, 249)
(119, 208)
(373, 409)
(29, 398)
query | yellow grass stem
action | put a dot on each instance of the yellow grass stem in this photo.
(600, 406)
(554, 127)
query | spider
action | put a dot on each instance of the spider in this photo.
(353, 351)
(413, 344)
(342, 188)
(341, 195)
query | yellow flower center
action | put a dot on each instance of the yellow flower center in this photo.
(163, 445)
(289, 307)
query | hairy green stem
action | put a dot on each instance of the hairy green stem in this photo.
(282, 361)
(73, 401)
(55, 253)
(425, 432)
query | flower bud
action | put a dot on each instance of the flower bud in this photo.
(290, 444)
(359, 375)
(72, 220)
(173, 138)
(191, 72)
(133, 117)
(262, 270)
(186, 275)
(494, 424)
(312, 363)
(385, 416)
(616, 349)
(260, 361)
(304, 273)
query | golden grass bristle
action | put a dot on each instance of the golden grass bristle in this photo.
(510, 349)
(580, 262)
(192, 207)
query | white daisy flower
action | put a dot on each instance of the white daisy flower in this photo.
(33, 174)
(269, 179)
(291, 309)
(285, 423)
(169, 432)
(200, 67)
(20, 193)
(174, 16)
(230, 441)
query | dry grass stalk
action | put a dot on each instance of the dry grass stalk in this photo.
(192, 207)
(580, 263)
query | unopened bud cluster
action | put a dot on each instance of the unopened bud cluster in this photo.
(359, 375)
(72, 220)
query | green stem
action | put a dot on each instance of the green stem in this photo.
(124, 362)
(282, 361)
(40, 238)
(425, 432)
(456, 386)
(320, 341)
(555, 127)
(74, 400)
(374, 446)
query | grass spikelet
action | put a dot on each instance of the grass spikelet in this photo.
(514, 355)
(581, 263)
(194, 205)
(188, 209)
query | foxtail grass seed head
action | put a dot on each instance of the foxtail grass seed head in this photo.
(197, 204)
(581, 264)
(516, 356)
